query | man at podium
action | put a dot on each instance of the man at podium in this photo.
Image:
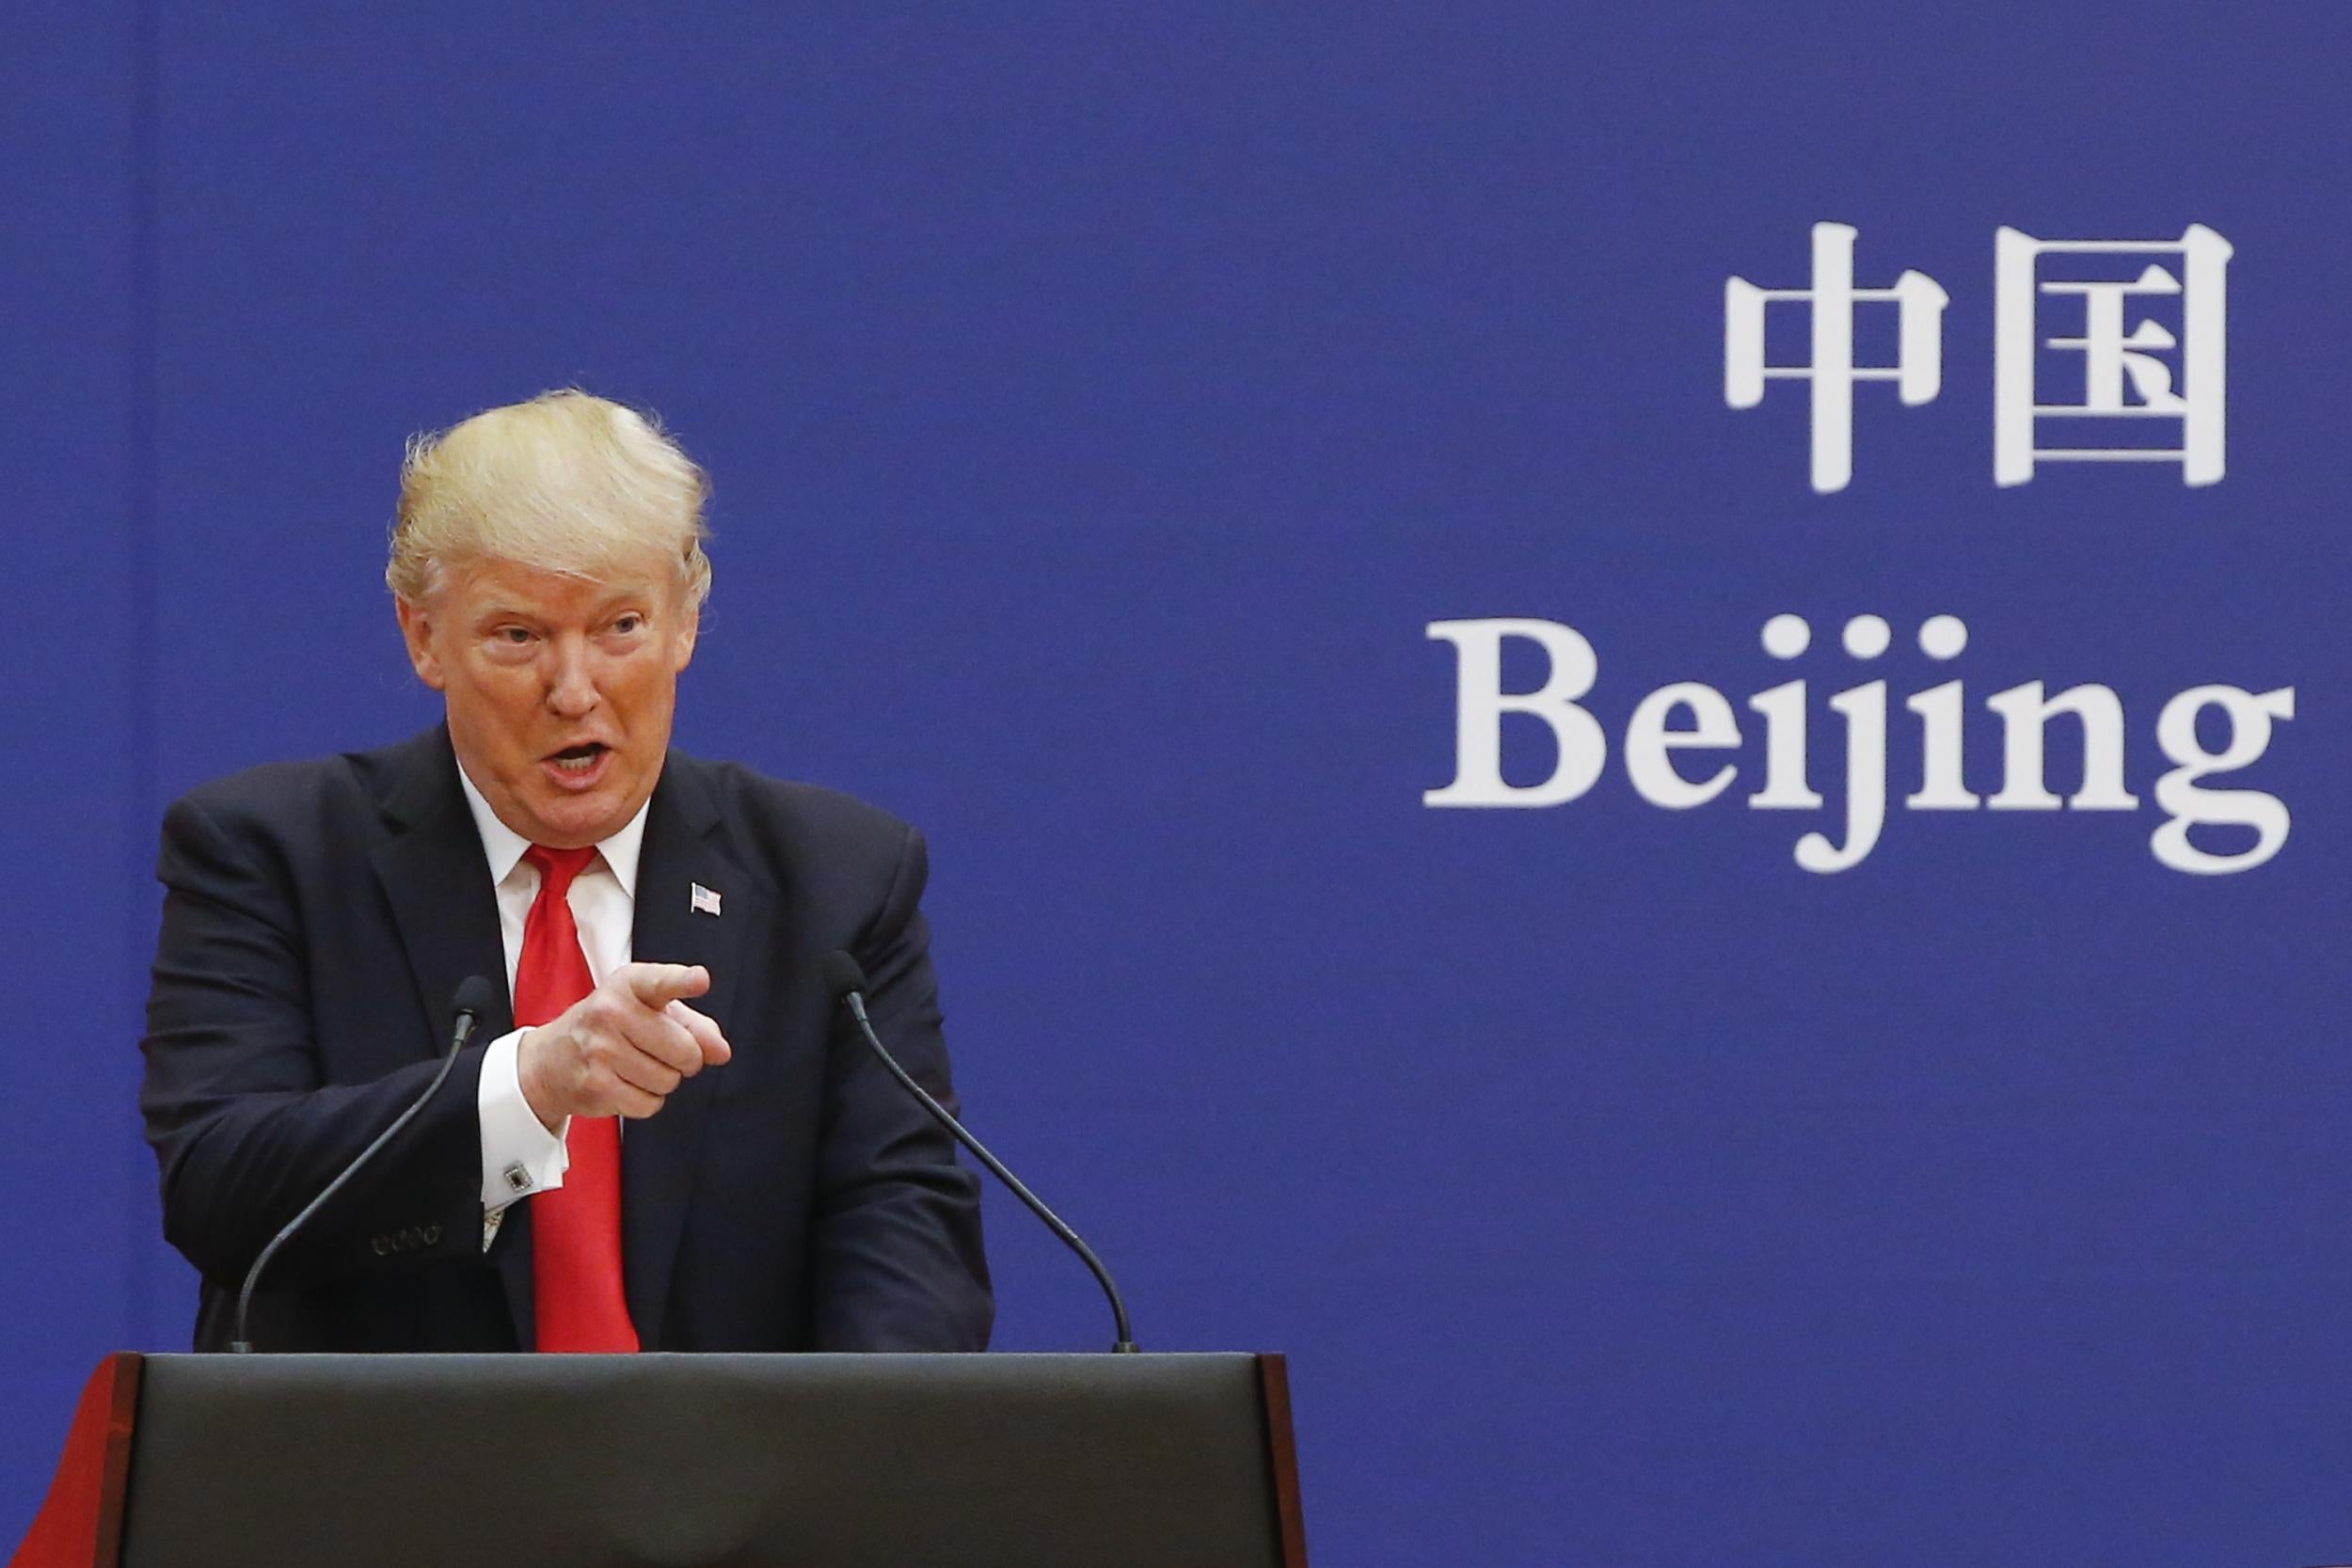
(667, 1140)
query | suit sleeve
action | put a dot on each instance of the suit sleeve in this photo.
(242, 1127)
(895, 1256)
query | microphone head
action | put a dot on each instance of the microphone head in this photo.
(475, 996)
(842, 975)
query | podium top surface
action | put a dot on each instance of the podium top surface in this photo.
(1147, 1461)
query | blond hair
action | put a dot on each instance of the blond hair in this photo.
(565, 483)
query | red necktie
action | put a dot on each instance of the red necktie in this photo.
(576, 1228)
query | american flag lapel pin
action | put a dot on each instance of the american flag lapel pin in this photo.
(703, 901)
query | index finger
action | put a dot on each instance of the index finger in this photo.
(658, 985)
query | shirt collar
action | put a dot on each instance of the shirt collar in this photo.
(503, 847)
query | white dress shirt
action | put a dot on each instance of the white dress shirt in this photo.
(520, 1156)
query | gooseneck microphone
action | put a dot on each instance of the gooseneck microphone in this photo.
(475, 997)
(846, 981)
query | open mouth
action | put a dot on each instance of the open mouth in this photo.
(579, 759)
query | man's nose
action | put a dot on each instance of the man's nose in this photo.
(571, 689)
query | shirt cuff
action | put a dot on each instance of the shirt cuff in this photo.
(520, 1156)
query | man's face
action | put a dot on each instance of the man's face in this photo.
(560, 690)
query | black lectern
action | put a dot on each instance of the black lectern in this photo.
(557, 1460)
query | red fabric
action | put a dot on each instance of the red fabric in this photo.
(576, 1228)
(81, 1524)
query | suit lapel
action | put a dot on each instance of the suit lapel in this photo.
(439, 886)
(683, 850)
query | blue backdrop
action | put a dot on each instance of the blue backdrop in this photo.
(1103, 401)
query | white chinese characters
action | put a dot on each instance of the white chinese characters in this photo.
(2133, 367)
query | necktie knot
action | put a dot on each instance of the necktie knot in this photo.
(557, 867)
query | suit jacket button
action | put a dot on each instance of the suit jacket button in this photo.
(383, 1245)
(433, 1235)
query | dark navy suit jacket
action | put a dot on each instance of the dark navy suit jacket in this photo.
(318, 917)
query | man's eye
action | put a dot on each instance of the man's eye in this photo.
(515, 635)
(628, 623)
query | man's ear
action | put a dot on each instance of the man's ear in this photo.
(682, 648)
(416, 629)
